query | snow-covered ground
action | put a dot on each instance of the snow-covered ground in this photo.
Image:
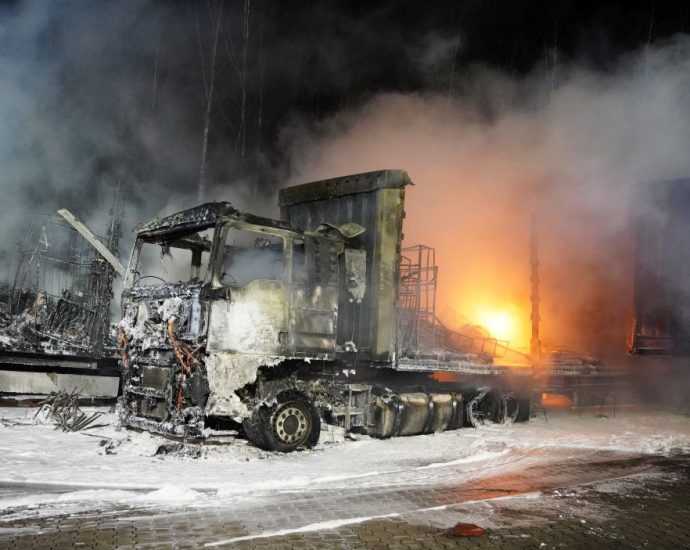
(47, 471)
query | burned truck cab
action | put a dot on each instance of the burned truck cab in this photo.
(275, 326)
(211, 296)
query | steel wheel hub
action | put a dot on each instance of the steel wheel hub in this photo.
(291, 423)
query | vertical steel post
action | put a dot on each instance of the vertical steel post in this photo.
(535, 345)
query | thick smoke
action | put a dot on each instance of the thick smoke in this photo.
(569, 150)
(94, 94)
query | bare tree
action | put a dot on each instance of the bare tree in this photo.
(554, 60)
(648, 45)
(260, 107)
(551, 60)
(240, 64)
(156, 79)
(680, 37)
(242, 130)
(210, 71)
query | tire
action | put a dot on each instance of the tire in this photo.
(252, 429)
(485, 405)
(290, 423)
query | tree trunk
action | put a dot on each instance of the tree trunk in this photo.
(209, 88)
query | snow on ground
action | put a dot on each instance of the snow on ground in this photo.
(45, 469)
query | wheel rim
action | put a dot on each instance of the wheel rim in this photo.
(292, 424)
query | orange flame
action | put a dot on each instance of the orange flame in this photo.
(506, 322)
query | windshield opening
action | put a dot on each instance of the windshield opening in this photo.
(182, 260)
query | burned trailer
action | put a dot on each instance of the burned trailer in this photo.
(232, 319)
(660, 323)
(55, 312)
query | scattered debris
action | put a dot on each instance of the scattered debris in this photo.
(57, 301)
(180, 450)
(110, 445)
(63, 409)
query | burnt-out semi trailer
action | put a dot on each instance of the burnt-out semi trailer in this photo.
(660, 323)
(278, 326)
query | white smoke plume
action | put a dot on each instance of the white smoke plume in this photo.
(571, 150)
(94, 95)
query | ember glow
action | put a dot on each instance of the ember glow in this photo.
(556, 401)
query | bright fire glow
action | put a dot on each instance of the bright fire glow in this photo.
(506, 322)
(499, 324)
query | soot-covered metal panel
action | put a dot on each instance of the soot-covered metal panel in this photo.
(375, 201)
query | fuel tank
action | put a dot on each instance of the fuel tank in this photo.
(414, 413)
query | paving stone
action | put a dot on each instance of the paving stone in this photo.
(656, 514)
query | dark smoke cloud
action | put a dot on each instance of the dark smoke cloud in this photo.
(93, 94)
(77, 113)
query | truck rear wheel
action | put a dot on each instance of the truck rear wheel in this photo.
(485, 405)
(290, 423)
(524, 409)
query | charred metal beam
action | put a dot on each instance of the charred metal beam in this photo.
(89, 236)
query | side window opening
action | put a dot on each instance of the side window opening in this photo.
(250, 255)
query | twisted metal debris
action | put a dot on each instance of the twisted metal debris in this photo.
(63, 408)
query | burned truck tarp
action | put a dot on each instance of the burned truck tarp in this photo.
(233, 319)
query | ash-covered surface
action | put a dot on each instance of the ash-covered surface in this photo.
(525, 477)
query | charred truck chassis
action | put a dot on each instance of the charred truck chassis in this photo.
(301, 327)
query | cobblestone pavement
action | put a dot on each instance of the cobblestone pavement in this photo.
(647, 505)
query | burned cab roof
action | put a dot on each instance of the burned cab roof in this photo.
(204, 216)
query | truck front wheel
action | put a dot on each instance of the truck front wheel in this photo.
(288, 424)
